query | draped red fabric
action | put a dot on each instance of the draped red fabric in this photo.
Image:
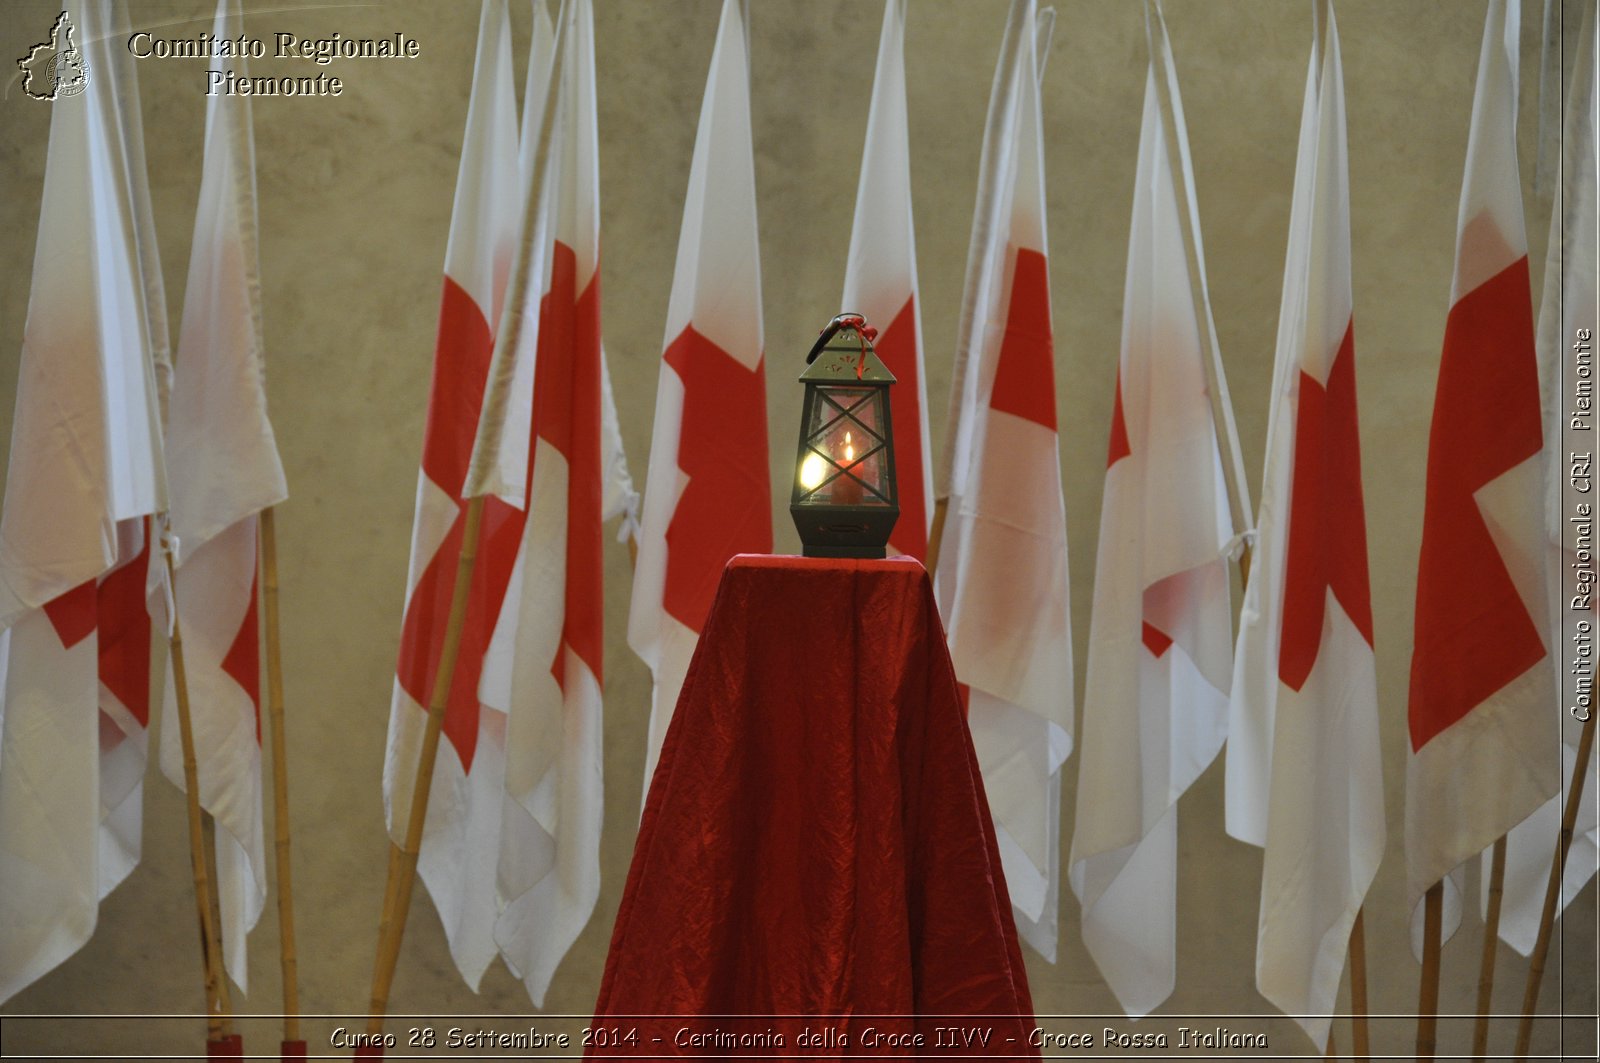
(816, 855)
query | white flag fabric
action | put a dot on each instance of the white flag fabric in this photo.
(1160, 654)
(1484, 731)
(222, 461)
(124, 619)
(464, 811)
(543, 666)
(1567, 327)
(1305, 777)
(1002, 578)
(85, 472)
(708, 493)
(880, 281)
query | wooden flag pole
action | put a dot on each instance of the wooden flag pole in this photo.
(289, 959)
(1428, 996)
(219, 1025)
(936, 534)
(208, 838)
(1360, 1048)
(1491, 938)
(1552, 889)
(403, 858)
(232, 1043)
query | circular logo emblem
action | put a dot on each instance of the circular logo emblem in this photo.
(69, 73)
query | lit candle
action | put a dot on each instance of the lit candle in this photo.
(846, 489)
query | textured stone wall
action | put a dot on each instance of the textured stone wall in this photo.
(355, 195)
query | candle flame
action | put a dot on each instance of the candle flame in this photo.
(849, 448)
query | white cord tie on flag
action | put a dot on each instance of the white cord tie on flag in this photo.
(628, 526)
(1235, 547)
(170, 545)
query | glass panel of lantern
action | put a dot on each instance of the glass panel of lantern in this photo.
(846, 447)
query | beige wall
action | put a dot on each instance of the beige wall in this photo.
(355, 199)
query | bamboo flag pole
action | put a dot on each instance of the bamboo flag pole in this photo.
(936, 533)
(1428, 995)
(1491, 940)
(219, 1024)
(1552, 889)
(403, 858)
(230, 1042)
(293, 1047)
(1361, 1049)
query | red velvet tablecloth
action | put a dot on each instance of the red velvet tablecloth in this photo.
(816, 872)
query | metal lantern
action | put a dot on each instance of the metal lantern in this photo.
(845, 501)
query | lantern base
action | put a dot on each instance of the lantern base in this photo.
(876, 552)
(844, 531)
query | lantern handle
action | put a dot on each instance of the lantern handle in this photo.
(855, 321)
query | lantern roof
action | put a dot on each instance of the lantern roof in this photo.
(843, 357)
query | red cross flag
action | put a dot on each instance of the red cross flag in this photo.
(1305, 779)
(708, 495)
(1567, 327)
(463, 827)
(1002, 578)
(85, 473)
(223, 466)
(1485, 748)
(1155, 706)
(543, 666)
